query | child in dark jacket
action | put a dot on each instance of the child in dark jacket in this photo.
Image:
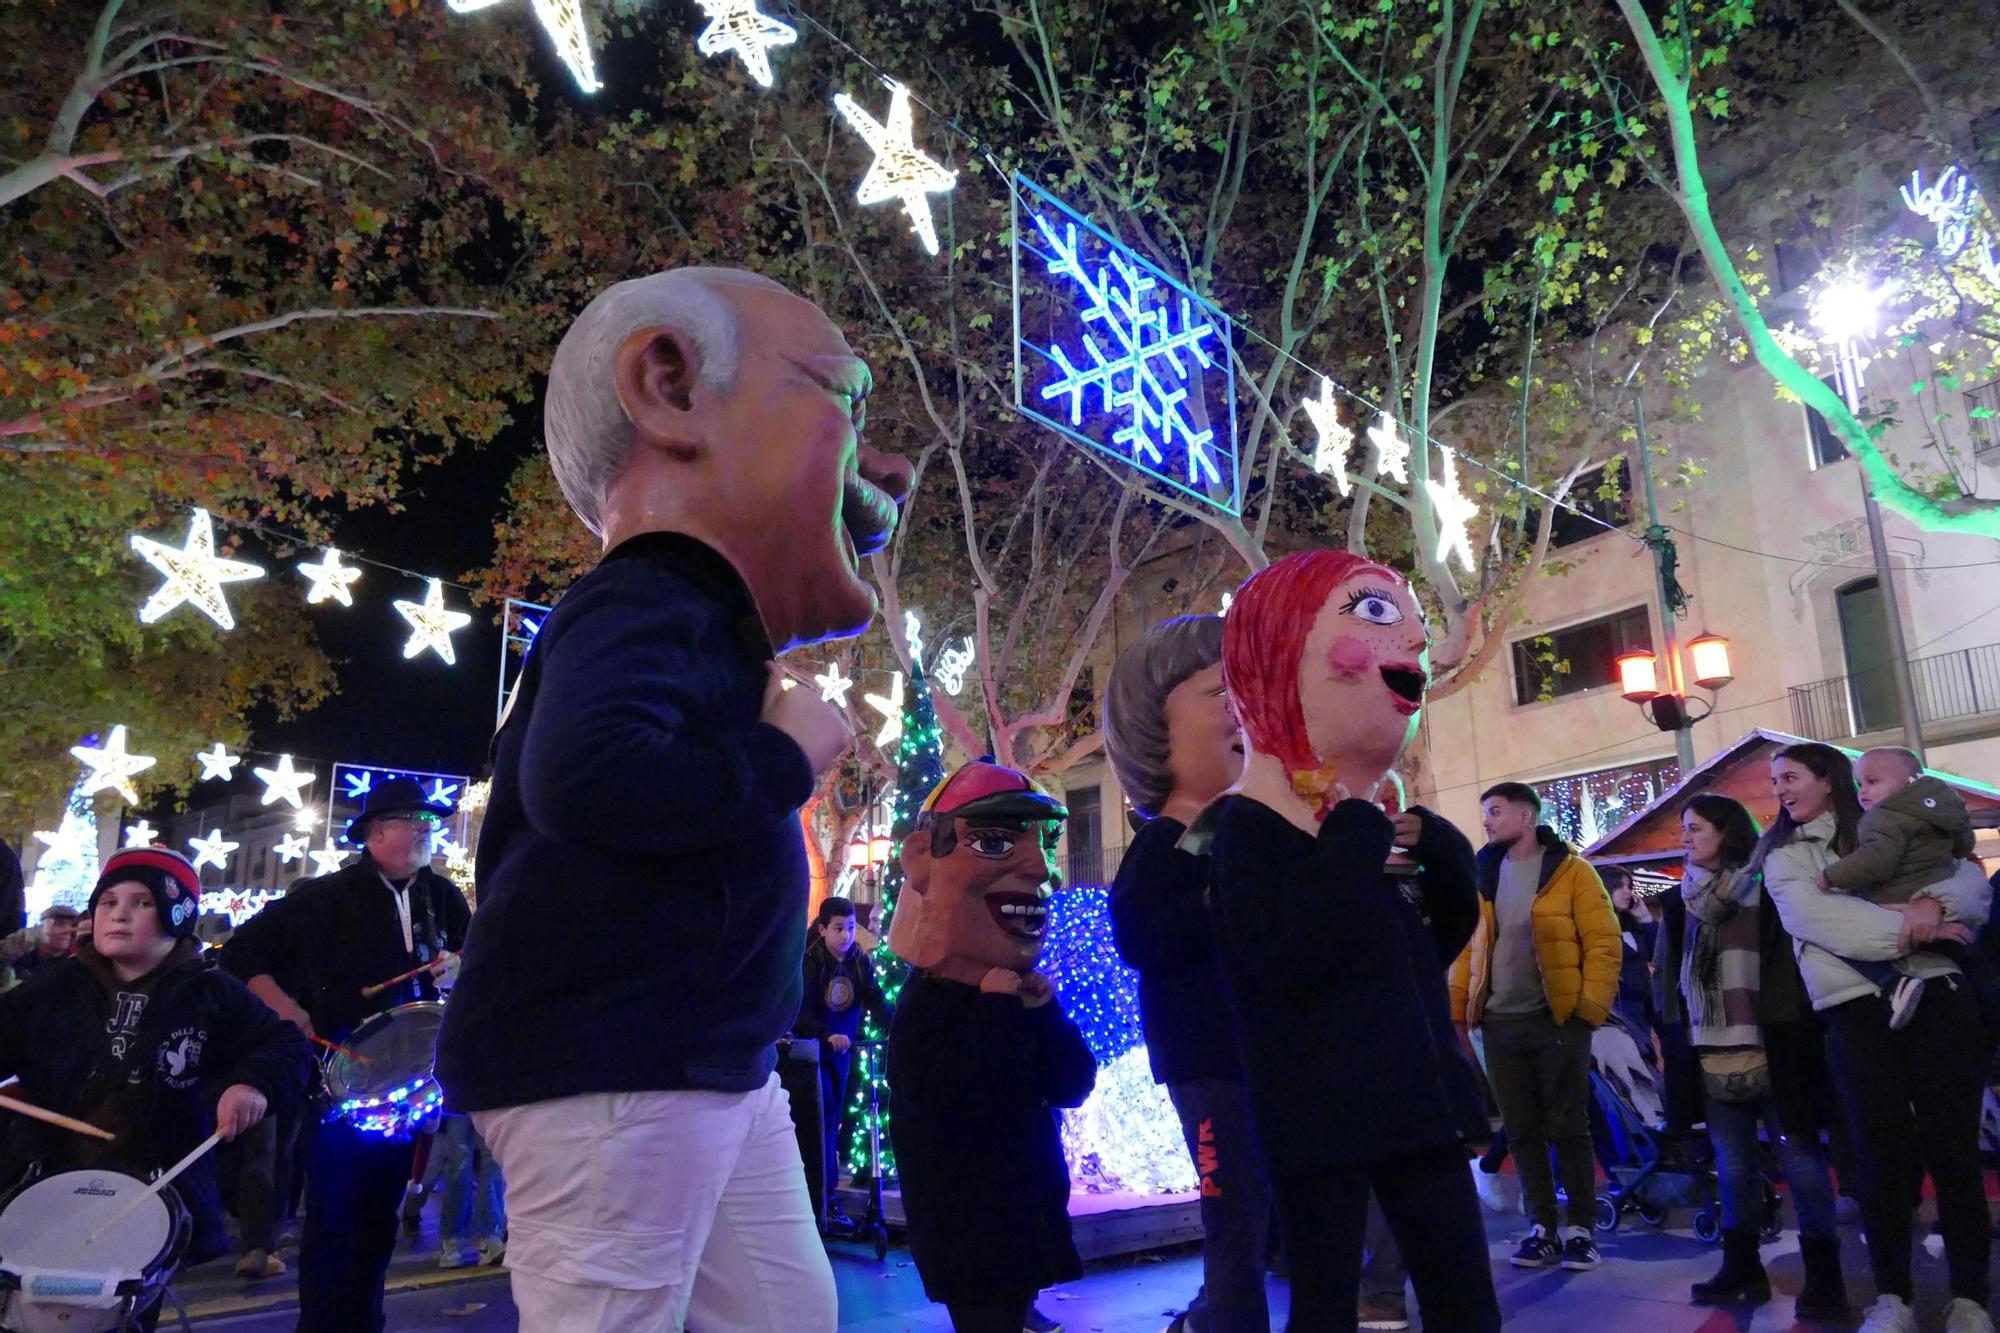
(136, 1032)
(840, 987)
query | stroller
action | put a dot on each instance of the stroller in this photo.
(1652, 1170)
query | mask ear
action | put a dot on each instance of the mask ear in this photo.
(656, 371)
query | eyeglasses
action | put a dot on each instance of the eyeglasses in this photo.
(425, 822)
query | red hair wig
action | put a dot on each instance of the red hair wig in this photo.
(1264, 642)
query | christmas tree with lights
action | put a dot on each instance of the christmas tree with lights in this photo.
(66, 870)
(919, 769)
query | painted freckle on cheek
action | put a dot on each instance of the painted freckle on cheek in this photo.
(1348, 656)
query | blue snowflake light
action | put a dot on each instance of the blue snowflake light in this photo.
(1135, 364)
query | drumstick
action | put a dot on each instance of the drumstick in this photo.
(156, 1186)
(338, 1049)
(370, 992)
(34, 1112)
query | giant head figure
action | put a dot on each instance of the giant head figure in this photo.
(978, 869)
(1326, 657)
(1169, 728)
(715, 403)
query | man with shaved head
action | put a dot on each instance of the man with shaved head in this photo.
(648, 772)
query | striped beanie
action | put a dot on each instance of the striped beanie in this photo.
(176, 884)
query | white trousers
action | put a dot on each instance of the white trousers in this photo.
(654, 1212)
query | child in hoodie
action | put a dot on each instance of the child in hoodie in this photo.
(1913, 835)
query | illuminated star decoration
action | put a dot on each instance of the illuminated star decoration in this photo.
(1392, 451)
(141, 834)
(194, 573)
(1335, 437)
(217, 765)
(735, 25)
(890, 706)
(213, 850)
(833, 686)
(1453, 511)
(431, 625)
(562, 20)
(330, 579)
(899, 171)
(291, 847)
(67, 843)
(284, 783)
(358, 784)
(442, 845)
(326, 860)
(442, 792)
(111, 768)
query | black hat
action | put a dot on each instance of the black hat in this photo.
(175, 883)
(397, 796)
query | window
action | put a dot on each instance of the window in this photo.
(1864, 642)
(1578, 657)
(1982, 407)
(1823, 442)
(1084, 838)
(1601, 494)
(1586, 807)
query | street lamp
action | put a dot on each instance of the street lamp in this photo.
(1667, 707)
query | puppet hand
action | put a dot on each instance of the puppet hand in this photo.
(1036, 990)
(838, 1042)
(239, 1107)
(817, 726)
(1001, 981)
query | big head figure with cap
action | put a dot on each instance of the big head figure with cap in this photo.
(978, 869)
(1327, 659)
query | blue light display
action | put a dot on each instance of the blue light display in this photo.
(1136, 365)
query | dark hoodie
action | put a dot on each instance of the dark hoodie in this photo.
(831, 1006)
(1910, 839)
(146, 1059)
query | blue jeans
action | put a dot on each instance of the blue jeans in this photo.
(1732, 1128)
(468, 1166)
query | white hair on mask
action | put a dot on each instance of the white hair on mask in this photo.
(584, 424)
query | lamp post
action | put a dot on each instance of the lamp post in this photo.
(1665, 702)
(1673, 599)
(1844, 313)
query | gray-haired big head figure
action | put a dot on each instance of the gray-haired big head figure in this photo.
(1168, 726)
(714, 402)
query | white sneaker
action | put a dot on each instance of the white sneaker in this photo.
(1903, 998)
(1495, 1189)
(1888, 1315)
(1963, 1316)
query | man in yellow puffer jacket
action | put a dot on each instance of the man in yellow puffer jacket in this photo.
(1539, 975)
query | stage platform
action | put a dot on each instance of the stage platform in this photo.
(1104, 1225)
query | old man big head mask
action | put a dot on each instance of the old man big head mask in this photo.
(1326, 657)
(978, 868)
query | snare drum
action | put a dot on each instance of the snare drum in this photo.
(391, 1091)
(55, 1279)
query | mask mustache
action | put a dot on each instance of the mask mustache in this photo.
(868, 512)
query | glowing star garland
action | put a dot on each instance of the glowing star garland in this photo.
(899, 171)
(292, 847)
(431, 625)
(890, 706)
(213, 850)
(736, 26)
(442, 792)
(833, 685)
(284, 783)
(326, 860)
(1392, 451)
(330, 579)
(1335, 437)
(217, 765)
(141, 834)
(194, 573)
(111, 768)
(563, 21)
(1453, 511)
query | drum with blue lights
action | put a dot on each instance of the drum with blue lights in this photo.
(382, 1082)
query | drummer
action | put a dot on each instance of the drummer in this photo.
(135, 1033)
(309, 955)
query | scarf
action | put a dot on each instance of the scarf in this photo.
(1721, 969)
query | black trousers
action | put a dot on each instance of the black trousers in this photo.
(834, 1067)
(354, 1193)
(1540, 1070)
(1433, 1213)
(1913, 1097)
(991, 1316)
(1235, 1204)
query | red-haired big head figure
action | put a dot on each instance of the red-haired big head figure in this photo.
(1326, 657)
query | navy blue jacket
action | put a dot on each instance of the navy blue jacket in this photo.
(196, 1032)
(641, 869)
(1160, 923)
(1337, 972)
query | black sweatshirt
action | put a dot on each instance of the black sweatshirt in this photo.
(1337, 972)
(829, 981)
(1161, 925)
(973, 1082)
(147, 1059)
(641, 867)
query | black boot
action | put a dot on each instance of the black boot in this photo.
(1824, 1295)
(1742, 1280)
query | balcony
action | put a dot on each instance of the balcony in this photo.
(1957, 685)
